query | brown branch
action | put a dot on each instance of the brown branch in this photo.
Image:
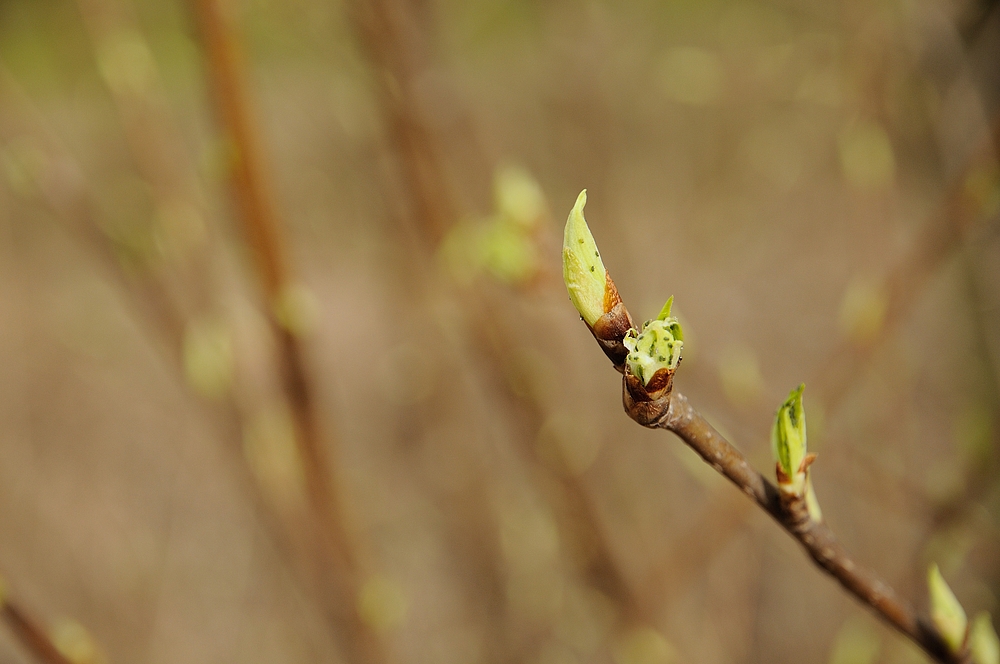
(959, 216)
(32, 635)
(652, 403)
(62, 188)
(262, 230)
(393, 34)
(393, 39)
(817, 539)
(655, 405)
(261, 227)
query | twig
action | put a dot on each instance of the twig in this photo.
(648, 361)
(817, 539)
(261, 227)
(394, 40)
(33, 636)
(390, 33)
(63, 189)
(954, 221)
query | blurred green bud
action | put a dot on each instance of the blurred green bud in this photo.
(583, 271)
(75, 643)
(518, 196)
(983, 642)
(296, 309)
(657, 347)
(788, 440)
(509, 253)
(946, 612)
(208, 357)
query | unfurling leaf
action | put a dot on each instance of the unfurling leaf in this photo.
(983, 641)
(657, 347)
(946, 612)
(788, 438)
(583, 271)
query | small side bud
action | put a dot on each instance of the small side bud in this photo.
(583, 271)
(657, 348)
(946, 612)
(788, 442)
(651, 358)
(983, 641)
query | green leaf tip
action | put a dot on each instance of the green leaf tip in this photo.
(657, 347)
(983, 641)
(788, 439)
(665, 311)
(583, 271)
(946, 611)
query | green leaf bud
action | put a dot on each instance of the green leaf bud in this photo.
(583, 271)
(657, 347)
(983, 641)
(946, 612)
(788, 440)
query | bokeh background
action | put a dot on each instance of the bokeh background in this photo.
(288, 373)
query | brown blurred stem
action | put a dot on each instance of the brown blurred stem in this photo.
(262, 230)
(393, 34)
(32, 636)
(62, 188)
(393, 38)
(942, 234)
(261, 227)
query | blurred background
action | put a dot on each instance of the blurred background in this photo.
(288, 372)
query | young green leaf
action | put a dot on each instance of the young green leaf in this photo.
(657, 347)
(788, 437)
(946, 612)
(983, 641)
(583, 271)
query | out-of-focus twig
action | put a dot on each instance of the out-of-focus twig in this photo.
(29, 632)
(394, 39)
(259, 221)
(57, 182)
(956, 217)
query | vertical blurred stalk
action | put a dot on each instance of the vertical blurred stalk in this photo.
(396, 45)
(393, 36)
(31, 635)
(260, 224)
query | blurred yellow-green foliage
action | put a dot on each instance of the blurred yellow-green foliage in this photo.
(774, 165)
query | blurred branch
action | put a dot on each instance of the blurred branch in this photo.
(393, 33)
(261, 228)
(954, 221)
(394, 40)
(58, 182)
(34, 637)
(984, 468)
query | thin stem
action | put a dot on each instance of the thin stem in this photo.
(32, 635)
(817, 539)
(261, 226)
(262, 230)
